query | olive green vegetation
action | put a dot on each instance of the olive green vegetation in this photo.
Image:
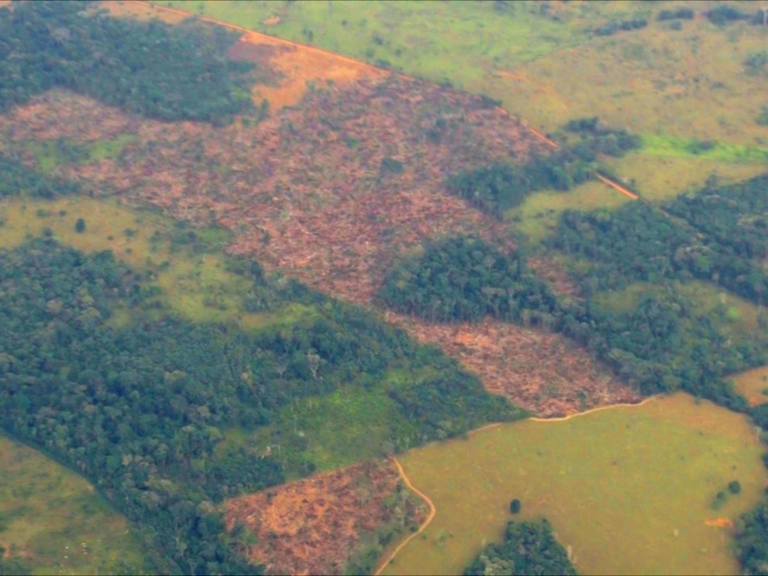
(627, 490)
(139, 409)
(52, 153)
(52, 521)
(167, 72)
(528, 548)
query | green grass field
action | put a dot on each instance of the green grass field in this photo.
(50, 154)
(53, 522)
(194, 284)
(629, 490)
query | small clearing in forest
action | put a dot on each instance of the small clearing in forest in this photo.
(313, 526)
(544, 373)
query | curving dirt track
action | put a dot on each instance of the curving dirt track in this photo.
(430, 517)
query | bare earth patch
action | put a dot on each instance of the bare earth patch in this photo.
(544, 373)
(61, 114)
(330, 191)
(312, 526)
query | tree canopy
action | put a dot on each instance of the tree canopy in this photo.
(168, 72)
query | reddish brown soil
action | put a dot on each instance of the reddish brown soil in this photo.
(304, 190)
(314, 525)
(61, 114)
(544, 373)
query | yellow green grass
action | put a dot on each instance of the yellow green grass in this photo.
(53, 522)
(544, 64)
(538, 215)
(50, 153)
(753, 385)
(197, 286)
(629, 490)
(735, 317)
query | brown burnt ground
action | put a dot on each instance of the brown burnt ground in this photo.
(542, 372)
(312, 526)
(304, 190)
(62, 114)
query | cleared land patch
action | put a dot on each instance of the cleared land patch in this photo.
(753, 384)
(52, 521)
(544, 373)
(328, 191)
(313, 526)
(628, 489)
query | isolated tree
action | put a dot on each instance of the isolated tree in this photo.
(80, 226)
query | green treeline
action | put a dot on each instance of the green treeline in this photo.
(659, 341)
(155, 69)
(140, 410)
(465, 278)
(658, 344)
(719, 236)
(528, 548)
(16, 179)
(499, 187)
(752, 540)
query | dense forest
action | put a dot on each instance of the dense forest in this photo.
(155, 69)
(464, 278)
(528, 548)
(499, 187)
(17, 179)
(717, 235)
(140, 410)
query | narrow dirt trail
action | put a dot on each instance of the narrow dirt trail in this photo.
(432, 512)
(433, 508)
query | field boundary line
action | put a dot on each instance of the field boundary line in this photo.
(428, 500)
(248, 32)
(432, 512)
(253, 33)
(591, 410)
(617, 186)
(287, 42)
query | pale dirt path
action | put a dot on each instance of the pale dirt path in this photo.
(432, 512)
(433, 509)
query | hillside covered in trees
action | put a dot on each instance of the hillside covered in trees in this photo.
(140, 410)
(155, 69)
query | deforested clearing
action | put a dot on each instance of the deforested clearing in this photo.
(315, 525)
(329, 190)
(541, 372)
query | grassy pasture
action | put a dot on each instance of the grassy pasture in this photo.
(196, 285)
(52, 521)
(733, 316)
(628, 490)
